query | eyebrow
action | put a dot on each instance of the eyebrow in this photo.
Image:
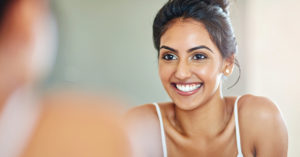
(200, 47)
(168, 48)
(189, 50)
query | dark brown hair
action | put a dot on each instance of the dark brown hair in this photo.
(212, 13)
(4, 5)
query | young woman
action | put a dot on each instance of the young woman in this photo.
(196, 48)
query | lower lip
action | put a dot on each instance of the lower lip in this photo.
(187, 93)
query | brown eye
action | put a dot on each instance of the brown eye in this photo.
(169, 57)
(199, 57)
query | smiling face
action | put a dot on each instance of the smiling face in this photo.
(190, 64)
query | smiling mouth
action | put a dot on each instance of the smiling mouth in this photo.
(187, 88)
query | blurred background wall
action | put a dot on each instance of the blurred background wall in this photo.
(273, 58)
(107, 46)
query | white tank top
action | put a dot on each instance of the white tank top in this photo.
(237, 129)
(17, 122)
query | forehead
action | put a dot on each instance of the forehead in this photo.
(186, 33)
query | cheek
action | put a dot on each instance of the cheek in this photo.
(165, 71)
(161, 70)
(208, 72)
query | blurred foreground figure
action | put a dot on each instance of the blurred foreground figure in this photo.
(75, 130)
(57, 125)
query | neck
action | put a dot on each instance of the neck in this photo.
(208, 120)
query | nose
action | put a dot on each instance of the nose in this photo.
(183, 71)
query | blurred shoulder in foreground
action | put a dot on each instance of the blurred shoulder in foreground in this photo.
(77, 125)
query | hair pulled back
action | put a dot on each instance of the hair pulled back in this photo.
(212, 13)
(4, 5)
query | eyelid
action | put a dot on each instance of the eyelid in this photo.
(168, 53)
(199, 53)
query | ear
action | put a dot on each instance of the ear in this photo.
(228, 65)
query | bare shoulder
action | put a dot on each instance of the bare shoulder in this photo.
(141, 115)
(75, 120)
(141, 109)
(263, 126)
(143, 129)
(258, 107)
(145, 114)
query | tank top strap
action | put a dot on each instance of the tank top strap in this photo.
(162, 130)
(237, 128)
(17, 122)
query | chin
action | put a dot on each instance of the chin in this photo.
(187, 103)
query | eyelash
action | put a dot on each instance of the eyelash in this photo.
(168, 55)
(199, 56)
(195, 57)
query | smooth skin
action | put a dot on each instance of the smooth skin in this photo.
(202, 124)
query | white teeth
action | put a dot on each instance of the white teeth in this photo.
(187, 88)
